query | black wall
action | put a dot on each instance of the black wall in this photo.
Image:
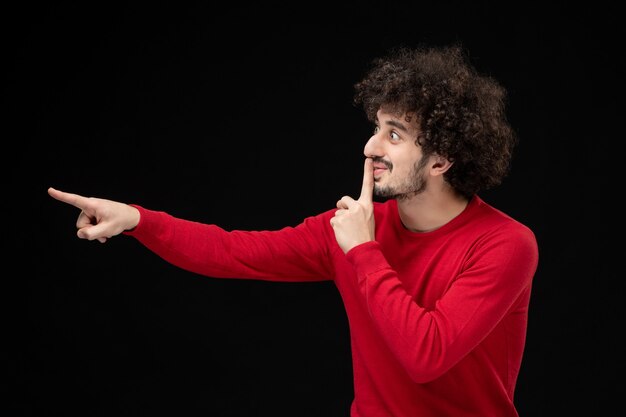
(242, 116)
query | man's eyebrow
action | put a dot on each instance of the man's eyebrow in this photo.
(398, 125)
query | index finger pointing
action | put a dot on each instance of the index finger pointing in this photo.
(367, 189)
(69, 198)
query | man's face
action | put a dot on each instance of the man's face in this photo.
(399, 169)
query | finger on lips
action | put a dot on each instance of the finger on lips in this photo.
(368, 181)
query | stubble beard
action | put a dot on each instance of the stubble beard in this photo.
(413, 185)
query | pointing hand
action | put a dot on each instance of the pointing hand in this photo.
(99, 219)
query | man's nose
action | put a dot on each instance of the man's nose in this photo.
(373, 147)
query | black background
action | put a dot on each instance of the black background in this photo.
(242, 116)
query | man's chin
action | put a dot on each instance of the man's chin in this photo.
(382, 192)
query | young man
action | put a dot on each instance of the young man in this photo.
(436, 282)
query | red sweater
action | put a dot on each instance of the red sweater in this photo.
(437, 320)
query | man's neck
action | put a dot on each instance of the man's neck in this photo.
(429, 210)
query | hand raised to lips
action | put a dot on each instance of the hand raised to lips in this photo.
(353, 222)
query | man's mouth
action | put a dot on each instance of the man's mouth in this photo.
(378, 171)
(380, 168)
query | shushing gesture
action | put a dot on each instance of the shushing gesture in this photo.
(353, 222)
(99, 218)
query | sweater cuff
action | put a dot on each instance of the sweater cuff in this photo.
(148, 222)
(367, 258)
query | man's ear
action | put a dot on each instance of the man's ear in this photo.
(440, 165)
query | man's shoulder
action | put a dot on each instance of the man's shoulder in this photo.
(497, 221)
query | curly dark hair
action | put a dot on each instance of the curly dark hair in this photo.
(461, 112)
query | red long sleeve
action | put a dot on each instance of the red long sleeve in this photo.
(429, 341)
(437, 320)
(290, 254)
